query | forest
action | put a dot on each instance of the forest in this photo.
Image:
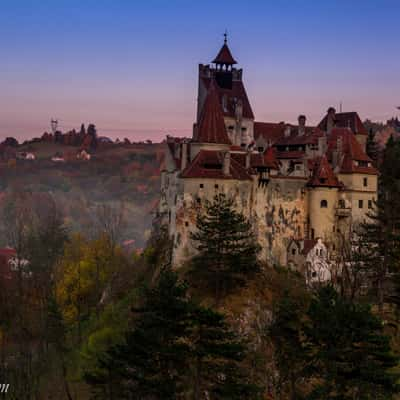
(83, 317)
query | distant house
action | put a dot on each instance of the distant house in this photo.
(83, 155)
(10, 264)
(58, 157)
(23, 155)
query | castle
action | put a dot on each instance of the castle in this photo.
(300, 186)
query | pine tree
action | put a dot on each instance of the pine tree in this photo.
(379, 240)
(175, 345)
(227, 247)
(151, 363)
(348, 355)
(216, 354)
(285, 332)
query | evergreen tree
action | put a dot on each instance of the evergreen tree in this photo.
(289, 352)
(216, 353)
(379, 239)
(347, 353)
(151, 363)
(372, 148)
(175, 345)
(227, 247)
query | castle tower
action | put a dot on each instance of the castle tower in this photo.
(323, 188)
(232, 96)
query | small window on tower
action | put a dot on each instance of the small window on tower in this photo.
(216, 186)
(312, 233)
(369, 204)
(360, 203)
(186, 223)
(198, 200)
(342, 204)
(294, 251)
(201, 185)
(324, 204)
(260, 149)
(365, 181)
(230, 127)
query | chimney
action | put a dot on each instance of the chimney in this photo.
(184, 155)
(248, 159)
(238, 122)
(287, 131)
(339, 146)
(302, 125)
(330, 122)
(226, 165)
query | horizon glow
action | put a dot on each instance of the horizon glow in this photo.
(131, 68)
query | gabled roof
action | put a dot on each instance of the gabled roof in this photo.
(310, 137)
(351, 152)
(323, 174)
(211, 127)
(224, 56)
(238, 92)
(270, 131)
(209, 164)
(349, 120)
(266, 159)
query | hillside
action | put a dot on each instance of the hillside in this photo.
(119, 175)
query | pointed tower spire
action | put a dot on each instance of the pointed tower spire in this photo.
(224, 56)
(211, 127)
(323, 174)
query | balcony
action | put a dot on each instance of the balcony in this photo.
(343, 212)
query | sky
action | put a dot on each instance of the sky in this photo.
(130, 67)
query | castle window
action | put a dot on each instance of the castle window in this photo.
(244, 129)
(365, 182)
(198, 200)
(201, 185)
(293, 251)
(312, 233)
(360, 203)
(369, 204)
(324, 204)
(260, 149)
(342, 203)
(216, 186)
(186, 223)
(230, 127)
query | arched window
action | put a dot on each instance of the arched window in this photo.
(324, 203)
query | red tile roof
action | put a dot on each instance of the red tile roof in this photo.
(310, 137)
(323, 174)
(270, 131)
(293, 154)
(208, 164)
(309, 245)
(266, 159)
(352, 152)
(224, 56)
(232, 95)
(211, 127)
(346, 120)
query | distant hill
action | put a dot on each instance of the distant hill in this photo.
(115, 174)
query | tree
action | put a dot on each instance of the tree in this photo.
(226, 245)
(216, 353)
(175, 345)
(347, 354)
(380, 235)
(289, 352)
(151, 362)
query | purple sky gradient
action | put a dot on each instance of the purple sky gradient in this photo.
(131, 67)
